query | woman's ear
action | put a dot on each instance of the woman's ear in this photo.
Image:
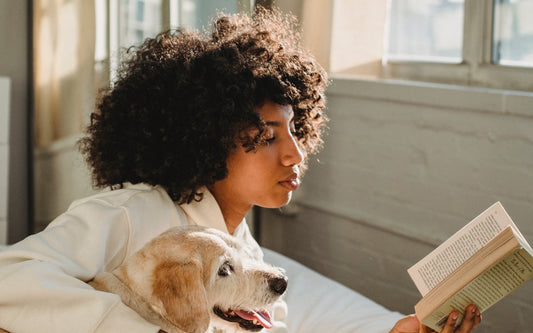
(179, 295)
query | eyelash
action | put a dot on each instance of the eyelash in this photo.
(293, 132)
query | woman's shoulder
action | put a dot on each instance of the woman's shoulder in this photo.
(129, 194)
(145, 211)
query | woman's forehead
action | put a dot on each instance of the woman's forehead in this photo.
(272, 113)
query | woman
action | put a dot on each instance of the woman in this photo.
(197, 129)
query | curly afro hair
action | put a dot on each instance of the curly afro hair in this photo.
(184, 99)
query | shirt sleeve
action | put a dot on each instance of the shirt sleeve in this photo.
(42, 278)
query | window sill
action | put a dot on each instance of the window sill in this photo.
(459, 97)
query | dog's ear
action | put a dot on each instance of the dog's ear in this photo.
(179, 295)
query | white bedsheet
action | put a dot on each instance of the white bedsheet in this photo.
(319, 304)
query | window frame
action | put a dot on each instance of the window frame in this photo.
(170, 19)
(476, 67)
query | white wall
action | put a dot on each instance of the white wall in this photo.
(406, 165)
(5, 84)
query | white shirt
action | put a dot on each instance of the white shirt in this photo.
(42, 278)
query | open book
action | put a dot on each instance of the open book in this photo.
(480, 264)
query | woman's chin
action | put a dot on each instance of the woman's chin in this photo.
(276, 202)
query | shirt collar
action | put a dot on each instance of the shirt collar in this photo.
(206, 212)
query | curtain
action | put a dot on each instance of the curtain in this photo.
(64, 42)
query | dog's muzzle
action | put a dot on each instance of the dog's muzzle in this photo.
(255, 320)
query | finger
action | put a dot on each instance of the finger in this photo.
(477, 319)
(425, 329)
(467, 325)
(450, 323)
(428, 330)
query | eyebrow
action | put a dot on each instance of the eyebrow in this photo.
(273, 123)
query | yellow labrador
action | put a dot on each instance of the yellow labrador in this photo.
(195, 279)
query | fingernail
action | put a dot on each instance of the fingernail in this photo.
(454, 316)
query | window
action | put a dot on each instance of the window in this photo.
(486, 43)
(513, 33)
(124, 23)
(429, 30)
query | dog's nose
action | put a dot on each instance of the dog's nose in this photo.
(278, 284)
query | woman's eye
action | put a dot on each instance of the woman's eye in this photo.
(269, 135)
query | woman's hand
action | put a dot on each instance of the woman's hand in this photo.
(411, 324)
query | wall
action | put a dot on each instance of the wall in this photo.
(406, 165)
(14, 55)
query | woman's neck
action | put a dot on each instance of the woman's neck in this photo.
(232, 219)
(232, 212)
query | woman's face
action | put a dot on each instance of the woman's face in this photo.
(267, 175)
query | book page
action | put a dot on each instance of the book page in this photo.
(485, 290)
(433, 268)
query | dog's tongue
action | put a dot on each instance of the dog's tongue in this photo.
(261, 316)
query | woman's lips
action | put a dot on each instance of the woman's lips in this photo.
(291, 184)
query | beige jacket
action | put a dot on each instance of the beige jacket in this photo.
(42, 278)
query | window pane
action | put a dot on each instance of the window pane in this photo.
(426, 30)
(100, 50)
(198, 13)
(139, 19)
(513, 33)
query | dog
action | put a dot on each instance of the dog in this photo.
(196, 279)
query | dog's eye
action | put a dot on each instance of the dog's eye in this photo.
(225, 270)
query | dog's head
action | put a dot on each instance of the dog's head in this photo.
(192, 276)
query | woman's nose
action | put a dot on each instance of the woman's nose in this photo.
(292, 154)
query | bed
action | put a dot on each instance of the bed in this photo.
(319, 304)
